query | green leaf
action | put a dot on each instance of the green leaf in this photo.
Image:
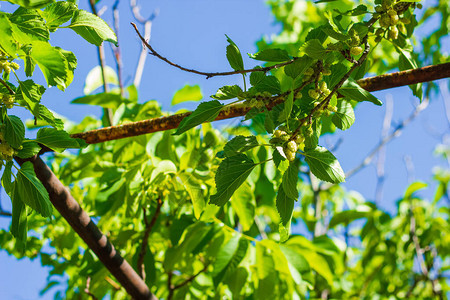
(311, 141)
(298, 67)
(6, 178)
(287, 109)
(32, 94)
(414, 187)
(195, 191)
(352, 91)
(232, 172)
(31, 191)
(187, 93)
(334, 33)
(32, 3)
(290, 178)
(71, 64)
(269, 84)
(7, 42)
(234, 249)
(324, 165)
(92, 28)
(19, 218)
(52, 63)
(313, 48)
(269, 125)
(285, 206)
(29, 22)
(205, 112)
(105, 100)
(58, 140)
(406, 62)
(47, 116)
(164, 167)
(272, 55)
(234, 56)
(345, 116)
(228, 92)
(58, 13)
(256, 77)
(345, 217)
(244, 206)
(29, 149)
(14, 131)
(94, 79)
(240, 144)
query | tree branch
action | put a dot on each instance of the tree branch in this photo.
(171, 122)
(173, 288)
(80, 221)
(148, 230)
(208, 74)
(7, 87)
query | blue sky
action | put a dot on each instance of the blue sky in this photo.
(191, 33)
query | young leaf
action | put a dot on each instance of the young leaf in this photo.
(345, 116)
(94, 79)
(313, 48)
(298, 67)
(19, 218)
(29, 149)
(92, 28)
(187, 93)
(352, 91)
(285, 206)
(234, 56)
(228, 92)
(240, 144)
(32, 94)
(32, 3)
(205, 112)
(290, 178)
(58, 140)
(232, 172)
(14, 131)
(58, 13)
(272, 55)
(29, 22)
(30, 190)
(105, 100)
(324, 165)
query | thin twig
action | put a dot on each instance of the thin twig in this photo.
(116, 50)
(173, 288)
(7, 87)
(87, 291)
(261, 230)
(101, 58)
(397, 131)
(148, 230)
(208, 74)
(5, 214)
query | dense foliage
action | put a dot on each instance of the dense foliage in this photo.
(217, 207)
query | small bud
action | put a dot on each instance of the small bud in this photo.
(323, 86)
(419, 5)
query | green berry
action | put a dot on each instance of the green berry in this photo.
(356, 50)
(292, 146)
(378, 8)
(378, 39)
(15, 66)
(392, 12)
(419, 5)
(394, 19)
(405, 20)
(313, 94)
(289, 155)
(309, 71)
(393, 33)
(323, 86)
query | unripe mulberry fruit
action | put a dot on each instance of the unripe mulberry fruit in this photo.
(385, 21)
(393, 33)
(313, 94)
(392, 12)
(405, 20)
(289, 155)
(323, 86)
(356, 50)
(15, 66)
(394, 20)
(309, 71)
(292, 146)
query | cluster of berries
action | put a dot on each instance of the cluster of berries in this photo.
(352, 44)
(391, 20)
(6, 151)
(259, 100)
(6, 64)
(290, 146)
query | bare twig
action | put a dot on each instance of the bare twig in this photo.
(7, 87)
(397, 131)
(101, 58)
(87, 290)
(148, 230)
(382, 153)
(5, 214)
(116, 50)
(173, 288)
(208, 74)
(260, 227)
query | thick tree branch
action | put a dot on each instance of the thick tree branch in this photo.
(80, 221)
(171, 122)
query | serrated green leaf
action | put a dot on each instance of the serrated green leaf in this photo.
(58, 13)
(313, 48)
(337, 72)
(344, 117)
(272, 55)
(71, 64)
(92, 28)
(30, 23)
(352, 91)
(269, 84)
(240, 144)
(94, 79)
(29, 149)
(47, 116)
(256, 77)
(105, 100)
(205, 112)
(290, 178)
(285, 206)
(32, 94)
(58, 140)
(298, 67)
(333, 33)
(14, 131)
(232, 172)
(19, 218)
(234, 55)
(187, 93)
(324, 165)
(228, 92)
(32, 3)
(31, 191)
(195, 191)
